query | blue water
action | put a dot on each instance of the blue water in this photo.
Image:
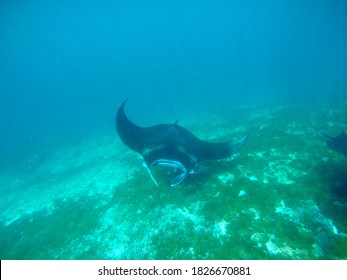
(261, 66)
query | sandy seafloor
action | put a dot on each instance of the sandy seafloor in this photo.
(283, 196)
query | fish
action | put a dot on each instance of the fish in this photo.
(338, 143)
(171, 146)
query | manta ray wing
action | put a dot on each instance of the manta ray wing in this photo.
(339, 143)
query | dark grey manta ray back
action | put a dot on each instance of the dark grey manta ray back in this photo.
(171, 145)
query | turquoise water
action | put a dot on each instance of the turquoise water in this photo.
(272, 200)
(69, 188)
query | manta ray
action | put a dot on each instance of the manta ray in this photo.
(338, 143)
(171, 145)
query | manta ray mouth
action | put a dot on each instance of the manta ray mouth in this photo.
(174, 167)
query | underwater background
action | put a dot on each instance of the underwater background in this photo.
(70, 189)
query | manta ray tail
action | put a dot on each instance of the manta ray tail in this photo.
(321, 132)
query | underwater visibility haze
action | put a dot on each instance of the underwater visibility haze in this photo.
(211, 71)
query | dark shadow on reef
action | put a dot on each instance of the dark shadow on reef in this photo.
(335, 176)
